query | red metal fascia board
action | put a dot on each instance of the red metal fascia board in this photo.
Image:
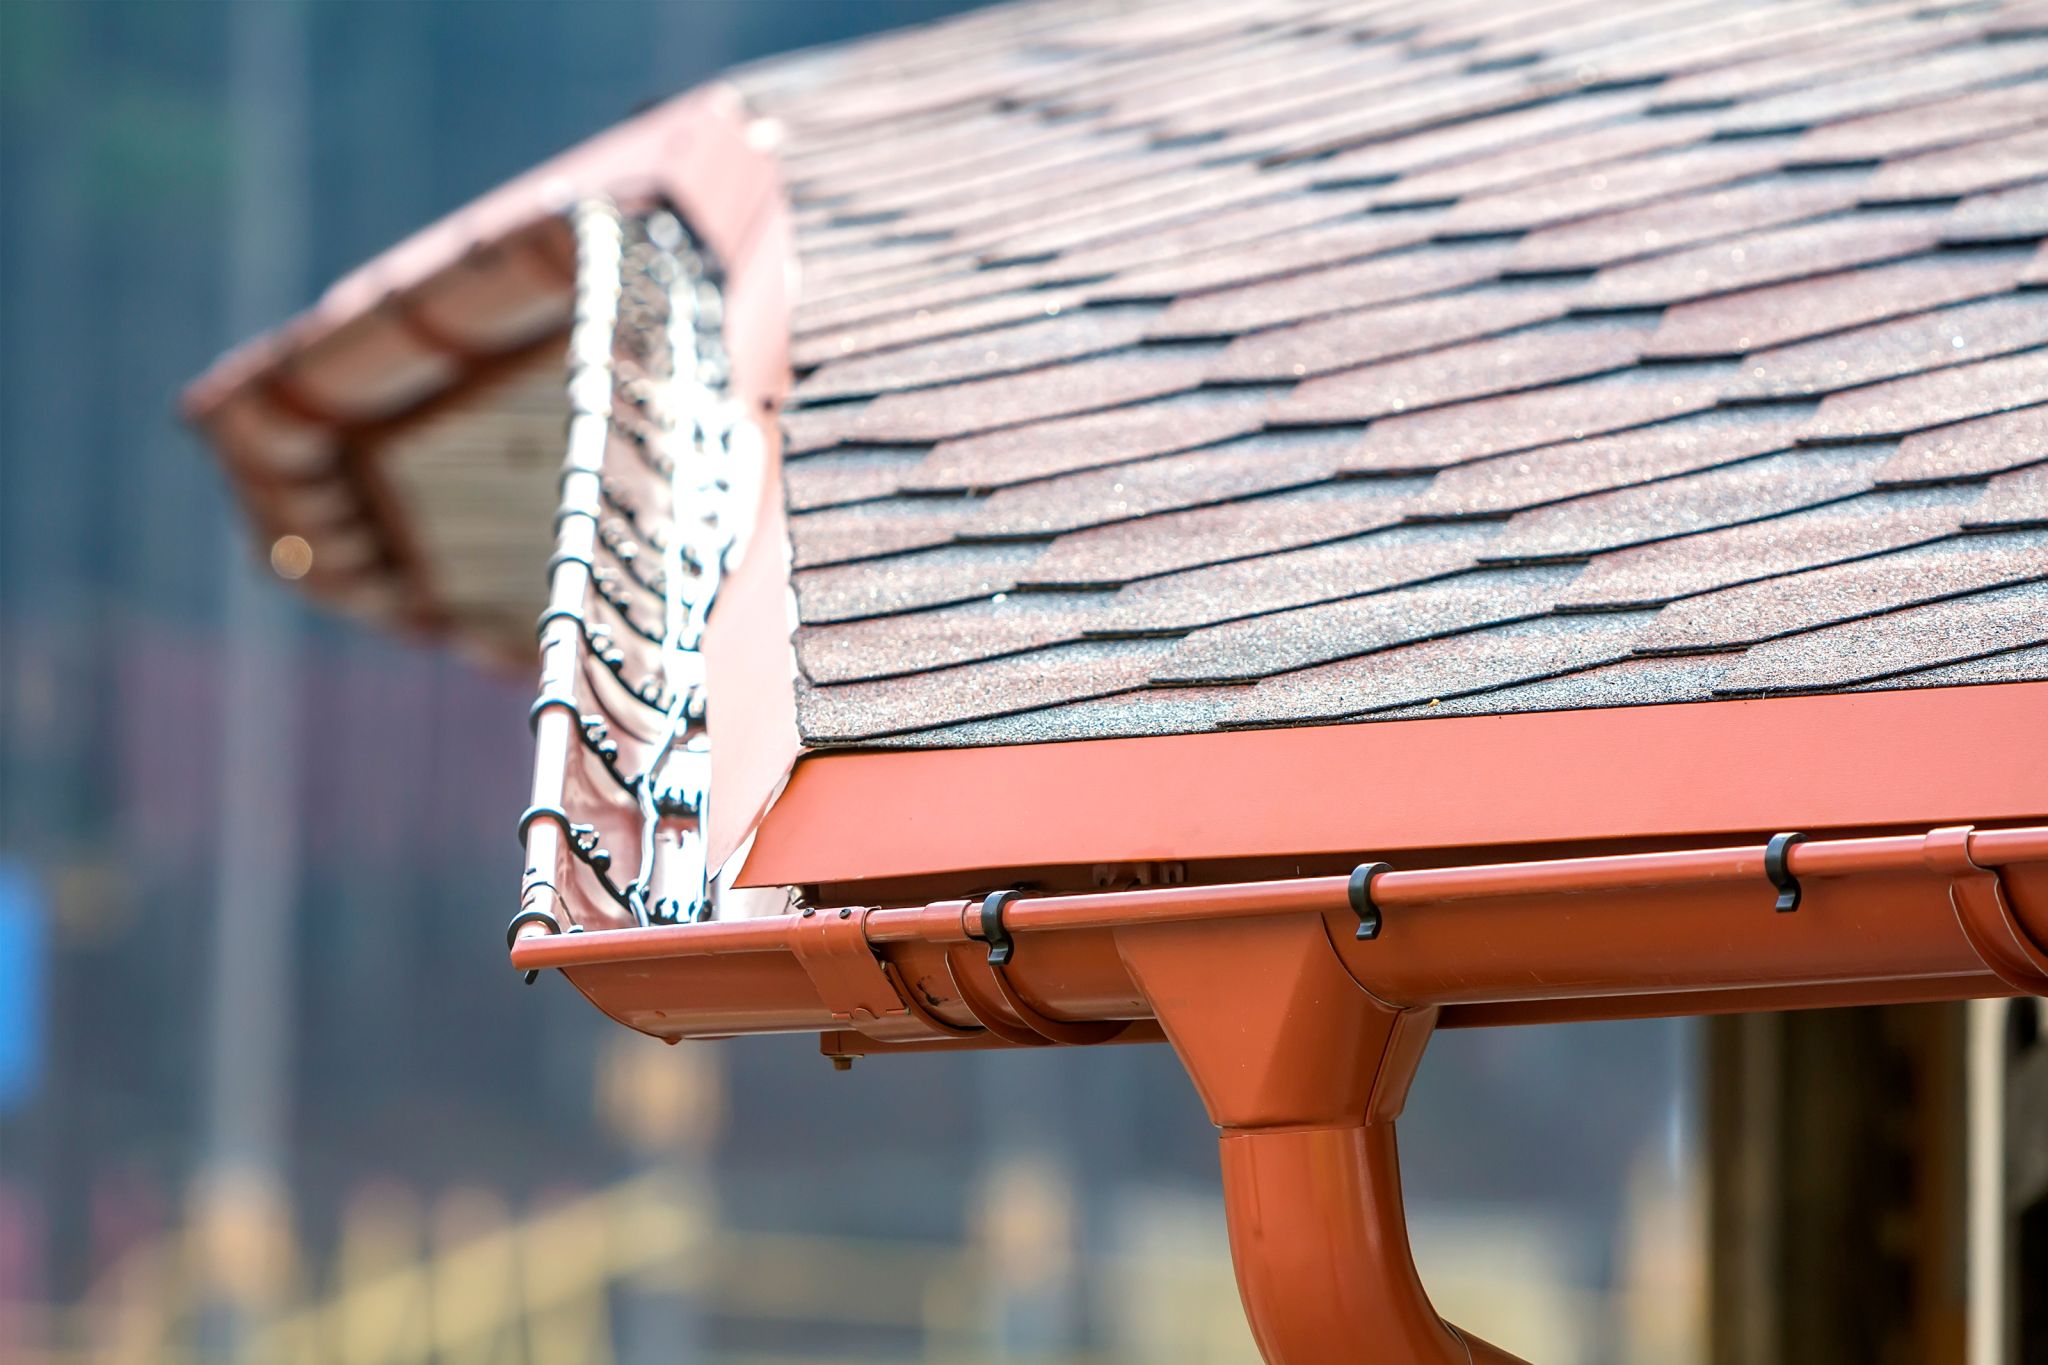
(1858, 760)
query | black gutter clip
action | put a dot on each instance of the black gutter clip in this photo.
(525, 917)
(1361, 898)
(992, 932)
(1779, 870)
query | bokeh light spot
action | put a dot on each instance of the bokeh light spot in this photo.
(291, 556)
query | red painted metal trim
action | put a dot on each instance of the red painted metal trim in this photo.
(750, 675)
(1941, 915)
(1852, 761)
(1301, 1037)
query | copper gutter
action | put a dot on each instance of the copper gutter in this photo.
(1301, 1007)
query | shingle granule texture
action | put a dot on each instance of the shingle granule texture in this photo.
(1209, 365)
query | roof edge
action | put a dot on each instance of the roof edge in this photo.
(1859, 760)
(297, 414)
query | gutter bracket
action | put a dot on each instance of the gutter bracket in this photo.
(1362, 904)
(976, 980)
(860, 990)
(531, 915)
(1777, 866)
(992, 932)
(1985, 913)
(1037, 1029)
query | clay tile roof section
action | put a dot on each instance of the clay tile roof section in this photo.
(1197, 366)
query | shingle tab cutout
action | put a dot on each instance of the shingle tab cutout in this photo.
(1280, 362)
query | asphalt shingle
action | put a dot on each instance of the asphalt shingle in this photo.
(1949, 631)
(1777, 315)
(1776, 607)
(1214, 365)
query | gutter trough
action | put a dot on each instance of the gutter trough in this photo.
(1301, 1007)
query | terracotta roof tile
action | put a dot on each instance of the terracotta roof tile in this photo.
(1279, 363)
(1897, 642)
(1752, 489)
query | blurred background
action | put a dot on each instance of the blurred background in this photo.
(268, 1091)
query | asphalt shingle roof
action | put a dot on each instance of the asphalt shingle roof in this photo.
(1220, 364)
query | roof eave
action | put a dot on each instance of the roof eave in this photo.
(298, 414)
(1855, 761)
